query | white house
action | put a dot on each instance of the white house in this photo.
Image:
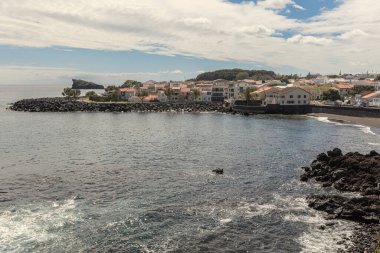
(231, 92)
(321, 80)
(205, 96)
(372, 99)
(217, 93)
(161, 96)
(288, 96)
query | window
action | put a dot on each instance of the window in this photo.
(282, 96)
(290, 102)
(291, 96)
(282, 102)
(304, 101)
(299, 96)
(299, 102)
(304, 96)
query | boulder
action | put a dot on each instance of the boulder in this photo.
(218, 171)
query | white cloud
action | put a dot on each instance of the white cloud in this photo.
(356, 33)
(278, 4)
(299, 7)
(212, 29)
(177, 71)
(257, 30)
(301, 39)
(196, 21)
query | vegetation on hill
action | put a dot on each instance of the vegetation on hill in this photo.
(130, 83)
(81, 84)
(237, 74)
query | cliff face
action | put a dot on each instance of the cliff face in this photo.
(81, 84)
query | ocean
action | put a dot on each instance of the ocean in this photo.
(143, 182)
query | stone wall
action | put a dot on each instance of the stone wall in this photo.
(348, 111)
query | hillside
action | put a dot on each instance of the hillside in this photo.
(236, 74)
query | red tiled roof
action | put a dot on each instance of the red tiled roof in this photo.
(370, 95)
(344, 86)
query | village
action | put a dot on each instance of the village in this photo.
(339, 90)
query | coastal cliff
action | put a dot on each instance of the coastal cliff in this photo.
(355, 173)
(81, 84)
(64, 105)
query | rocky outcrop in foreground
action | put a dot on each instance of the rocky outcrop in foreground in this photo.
(356, 173)
(64, 105)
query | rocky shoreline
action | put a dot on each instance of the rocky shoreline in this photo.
(353, 173)
(64, 105)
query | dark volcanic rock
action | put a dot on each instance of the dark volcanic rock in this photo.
(361, 209)
(352, 172)
(64, 105)
(218, 171)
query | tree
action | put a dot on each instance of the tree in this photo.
(247, 94)
(76, 93)
(168, 92)
(130, 83)
(67, 92)
(111, 88)
(142, 94)
(113, 96)
(90, 94)
(331, 94)
(242, 75)
(196, 94)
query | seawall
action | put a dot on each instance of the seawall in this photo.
(305, 109)
(64, 105)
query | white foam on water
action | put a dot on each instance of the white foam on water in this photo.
(250, 210)
(288, 203)
(317, 240)
(34, 224)
(374, 144)
(364, 129)
(314, 239)
(224, 221)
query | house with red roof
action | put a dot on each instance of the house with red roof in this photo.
(127, 93)
(344, 88)
(372, 99)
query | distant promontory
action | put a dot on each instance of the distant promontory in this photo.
(81, 84)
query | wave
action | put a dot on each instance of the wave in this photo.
(34, 224)
(364, 129)
(325, 239)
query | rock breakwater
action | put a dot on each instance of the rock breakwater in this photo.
(355, 173)
(64, 105)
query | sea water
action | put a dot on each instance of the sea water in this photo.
(143, 182)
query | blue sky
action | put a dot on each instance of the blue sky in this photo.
(111, 41)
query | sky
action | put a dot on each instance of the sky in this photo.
(110, 41)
